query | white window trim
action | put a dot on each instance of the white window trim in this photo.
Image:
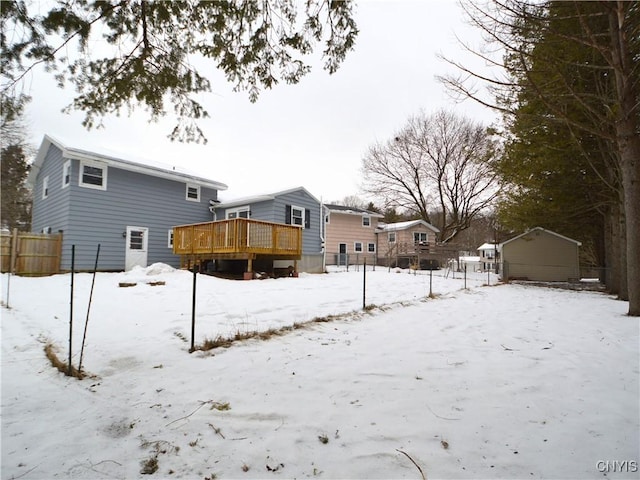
(419, 235)
(237, 210)
(170, 238)
(45, 187)
(368, 218)
(355, 247)
(374, 247)
(66, 171)
(104, 169)
(389, 235)
(186, 192)
(294, 207)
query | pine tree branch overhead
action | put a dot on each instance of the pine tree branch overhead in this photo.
(142, 53)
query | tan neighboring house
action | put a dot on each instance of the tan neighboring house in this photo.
(350, 236)
(405, 240)
(540, 255)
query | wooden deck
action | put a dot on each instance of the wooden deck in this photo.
(237, 239)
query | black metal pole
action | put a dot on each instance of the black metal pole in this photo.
(364, 285)
(193, 308)
(465, 277)
(73, 260)
(86, 322)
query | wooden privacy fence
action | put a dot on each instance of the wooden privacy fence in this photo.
(31, 254)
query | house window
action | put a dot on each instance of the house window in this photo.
(420, 238)
(193, 193)
(371, 247)
(66, 174)
(93, 176)
(366, 221)
(45, 187)
(357, 247)
(240, 212)
(170, 238)
(392, 237)
(297, 216)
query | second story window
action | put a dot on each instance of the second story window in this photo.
(366, 221)
(420, 238)
(93, 176)
(66, 174)
(45, 187)
(193, 192)
(297, 216)
(392, 237)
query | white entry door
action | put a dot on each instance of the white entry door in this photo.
(136, 250)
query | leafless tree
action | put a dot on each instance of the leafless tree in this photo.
(440, 162)
(353, 201)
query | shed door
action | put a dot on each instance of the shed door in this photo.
(136, 250)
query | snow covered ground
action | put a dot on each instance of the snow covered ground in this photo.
(505, 381)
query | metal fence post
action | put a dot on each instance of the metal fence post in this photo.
(430, 282)
(465, 277)
(193, 308)
(364, 285)
(73, 260)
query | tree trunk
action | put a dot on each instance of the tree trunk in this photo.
(628, 143)
(612, 250)
(630, 154)
(623, 290)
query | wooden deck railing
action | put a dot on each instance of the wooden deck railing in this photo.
(237, 236)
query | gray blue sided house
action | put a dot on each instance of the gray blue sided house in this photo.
(127, 206)
(295, 206)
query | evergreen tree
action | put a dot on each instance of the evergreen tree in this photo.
(15, 197)
(573, 66)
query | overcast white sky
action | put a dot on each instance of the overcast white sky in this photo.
(313, 134)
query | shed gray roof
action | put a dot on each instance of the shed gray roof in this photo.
(542, 230)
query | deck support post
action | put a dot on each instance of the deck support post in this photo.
(248, 275)
(295, 269)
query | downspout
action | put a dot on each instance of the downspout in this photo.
(322, 237)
